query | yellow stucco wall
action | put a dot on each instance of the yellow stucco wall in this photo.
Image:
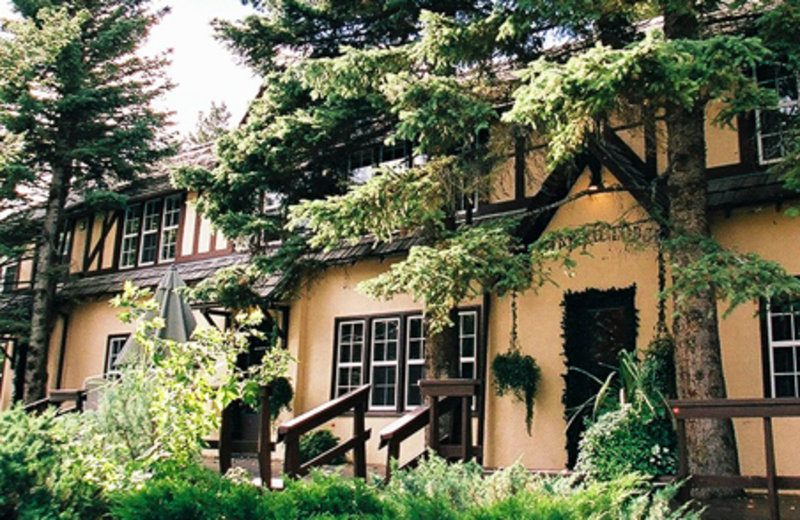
(539, 322)
(765, 230)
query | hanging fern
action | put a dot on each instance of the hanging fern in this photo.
(517, 374)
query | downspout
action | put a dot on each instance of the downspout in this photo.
(62, 348)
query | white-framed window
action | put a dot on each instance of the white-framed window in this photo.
(415, 359)
(350, 356)
(130, 236)
(9, 276)
(395, 347)
(385, 345)
(169, 228)
(468, 343)
(151, 220)
(783, 348)
(150, 232)
(113, 348)
(774, 127)
(363, 162)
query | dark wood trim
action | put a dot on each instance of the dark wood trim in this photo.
(62, 348)
(766, 372)
(88, 243)
(520, 167)
(118, 240)
(97, 251)
(650, 142)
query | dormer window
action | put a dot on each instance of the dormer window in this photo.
(774, 126)
(363, 162)
(150, 232)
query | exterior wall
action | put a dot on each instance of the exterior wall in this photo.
(768, 232)
(311, 341)
(540, 331)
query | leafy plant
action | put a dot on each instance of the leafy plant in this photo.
(633, 433)
(191, 493)
(281, 398)
(41, 470)
(318, 442)
(518, 375)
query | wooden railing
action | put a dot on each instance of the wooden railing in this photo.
(56, 398)
(766, 410)
(264, 446)
(393, 435)
(451, 397)
(290, 433)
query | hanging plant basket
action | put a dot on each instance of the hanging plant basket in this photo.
(519, 376)
(516, 374)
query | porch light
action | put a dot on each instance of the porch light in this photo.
(596, 182)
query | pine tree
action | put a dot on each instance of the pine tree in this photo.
(210, 127)
(76, 96)
(433, 74)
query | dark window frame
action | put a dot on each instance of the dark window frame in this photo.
(107, 364)
(401, 387)
(137, 211)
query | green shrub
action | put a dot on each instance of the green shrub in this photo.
(459, 491)
(634, 433)
(318, 442)
(327, 496)
(189, 493)
(41, 470)
(628, 440)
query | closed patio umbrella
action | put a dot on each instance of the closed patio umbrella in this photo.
(179, 322)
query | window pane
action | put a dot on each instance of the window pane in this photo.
(468, 370)
(781, 327)
(468, 347)
(784, 386)
(415, 373)
(149, 243)
(783, 359)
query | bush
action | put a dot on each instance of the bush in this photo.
(318, 442)
(190, 493)
(635, 433)
(41, 470)
(628, 440)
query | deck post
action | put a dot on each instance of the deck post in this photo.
(226, 440)
(772, 488)
(359, 450)
(264, 440)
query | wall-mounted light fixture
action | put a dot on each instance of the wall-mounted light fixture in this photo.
(596, 182)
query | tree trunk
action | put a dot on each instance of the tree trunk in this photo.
(442, 352)
(46, 276)
(698, 360)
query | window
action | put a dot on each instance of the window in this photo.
(349, 356)
(113, 348)
(169, 228)
(773, 127)
(150, 225)
(9, 276)
(385, 346)
(783, 348)
(150, 232)
(394, 346)
(363, 162)
(130, 237)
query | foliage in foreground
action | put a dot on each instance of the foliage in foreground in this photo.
(434, 490)
(633, 433)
